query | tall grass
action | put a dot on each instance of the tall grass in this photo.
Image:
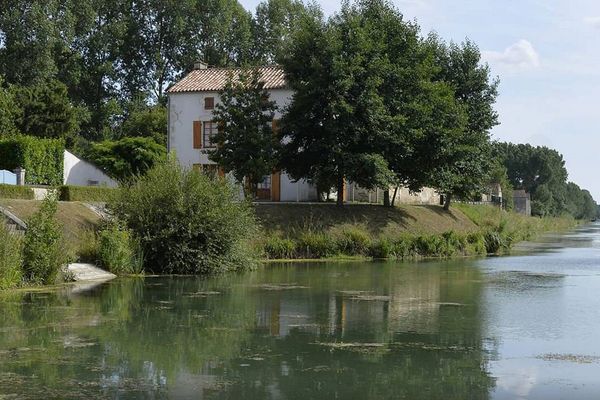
(498, 232)
(118, 251)
(11, 258)
(44, 252)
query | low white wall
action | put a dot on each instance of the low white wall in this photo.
(82, 173)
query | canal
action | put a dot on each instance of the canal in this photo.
(520, 327)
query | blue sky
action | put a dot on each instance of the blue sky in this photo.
(547, 55)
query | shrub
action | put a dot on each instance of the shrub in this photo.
(42, 159)
(186, 222)
(122, 159)
(276, 247)
(476, 243)
(316, 244)
(118, 251)
(404, 247)
(16, 192)
(43, 249)
(381, 248)
(86, 193)
(11, 247)
(351, 239)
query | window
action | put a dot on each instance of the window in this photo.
(209, 103)
(210, 130)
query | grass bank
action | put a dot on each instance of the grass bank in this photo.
(75, 217)
(301, 231)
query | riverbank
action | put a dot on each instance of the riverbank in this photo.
(299, 231)
(318, 232)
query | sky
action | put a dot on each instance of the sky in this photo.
(547, 56)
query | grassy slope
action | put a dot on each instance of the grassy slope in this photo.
(75, 216)
(289, 219)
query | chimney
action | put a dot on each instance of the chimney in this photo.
(200, 65)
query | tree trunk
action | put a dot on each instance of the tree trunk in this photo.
(394, 197)
(340, 191)
(386, 198)
(447, 200)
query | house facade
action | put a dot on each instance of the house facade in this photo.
(192, 101)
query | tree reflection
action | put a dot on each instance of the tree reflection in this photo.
(289, 332)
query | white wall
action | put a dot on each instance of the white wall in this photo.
(82, 173)
(185, 108)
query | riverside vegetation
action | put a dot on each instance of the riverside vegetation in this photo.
(178, 221)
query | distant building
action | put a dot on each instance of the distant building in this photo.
(522, 202)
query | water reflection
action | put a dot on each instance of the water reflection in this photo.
(285, 332)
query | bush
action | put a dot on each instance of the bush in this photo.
(187, 223)
(122, 159)
(11, 247)
(86, 193)
(351, 239)
(404, 247)
(118, 251)
(316, 245)
(43, 249)
(276, 247)
(381, 248)
(16, 192)
(42, 159)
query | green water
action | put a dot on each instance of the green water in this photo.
(525, 326)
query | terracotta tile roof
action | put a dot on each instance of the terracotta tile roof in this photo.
(214, 79)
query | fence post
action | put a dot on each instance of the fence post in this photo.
(20, 172)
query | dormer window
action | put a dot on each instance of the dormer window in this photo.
(209, 103)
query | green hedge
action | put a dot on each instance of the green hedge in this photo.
(41, 158)
(85, 193)
(16, 192)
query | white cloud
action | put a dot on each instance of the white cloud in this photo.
(592, 21)
(516, 57)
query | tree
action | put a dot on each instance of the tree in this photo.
(274, 22)
(146, 121)
(9, 111)
(123, 159)
(246, 143)
(46, 111)
(538, 170)
(336, 114)
(464, 163)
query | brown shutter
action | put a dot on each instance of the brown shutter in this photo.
(221, 172)
(276, 186)
(197, 133)
(275, 126)
(209, 103)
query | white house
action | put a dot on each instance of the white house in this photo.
(191, 104)
(82, 173)
(191, 129)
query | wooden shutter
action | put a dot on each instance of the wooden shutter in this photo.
(275, 125)
(276, 186)
(197, 133)
(209, 103)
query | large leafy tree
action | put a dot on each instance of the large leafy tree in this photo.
(46, 111)
(336, 114)
(274, 22)
(9, 111)
(463, 164)
(246, 143)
